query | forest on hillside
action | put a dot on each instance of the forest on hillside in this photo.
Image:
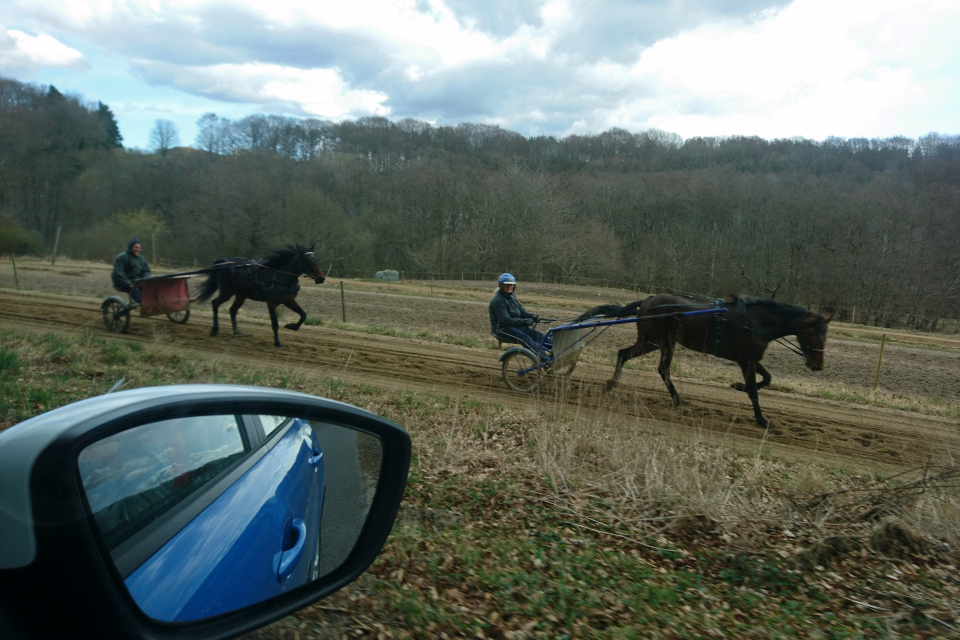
(838, 224)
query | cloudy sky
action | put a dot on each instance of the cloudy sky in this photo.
(772, 68)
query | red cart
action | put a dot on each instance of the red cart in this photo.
(160, 295)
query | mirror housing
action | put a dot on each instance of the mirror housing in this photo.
(51, 554)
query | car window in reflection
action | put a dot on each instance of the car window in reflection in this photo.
(134, 477)
(272, 423)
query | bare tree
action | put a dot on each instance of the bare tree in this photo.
(164, 136)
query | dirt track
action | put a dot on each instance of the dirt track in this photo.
(832, 431)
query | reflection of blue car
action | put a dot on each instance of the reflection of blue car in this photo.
(196, 499)
(208, 514)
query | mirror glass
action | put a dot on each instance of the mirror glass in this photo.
(208, 514)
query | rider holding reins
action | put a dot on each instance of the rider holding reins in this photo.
(128, 267)
(509, 321)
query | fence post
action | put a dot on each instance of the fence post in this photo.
(56, 243)
(876, 379)
(853, 319)
(16, 281)
(343, 303)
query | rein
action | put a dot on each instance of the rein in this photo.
(287, 273)
(782, 340)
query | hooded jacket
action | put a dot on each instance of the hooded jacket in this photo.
(128, 267)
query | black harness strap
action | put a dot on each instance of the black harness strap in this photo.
(716, 326)
(275, 281)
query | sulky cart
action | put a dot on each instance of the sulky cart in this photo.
(167, 295)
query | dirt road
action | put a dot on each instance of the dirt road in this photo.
(832, 431)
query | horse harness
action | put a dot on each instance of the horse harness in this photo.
(719, 318)
(716, 325)
(274, 281)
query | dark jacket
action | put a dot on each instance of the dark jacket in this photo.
(506, 311)
(127, 268)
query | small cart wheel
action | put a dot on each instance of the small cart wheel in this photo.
(519, 372)
(116, 315)
(179, 317)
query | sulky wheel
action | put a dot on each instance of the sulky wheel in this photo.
(179, 317)
(516, 374)
(116, 315)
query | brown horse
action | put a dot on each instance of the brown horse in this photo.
(272, 280)
(738, 330)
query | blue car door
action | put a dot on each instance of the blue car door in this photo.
(257, 539)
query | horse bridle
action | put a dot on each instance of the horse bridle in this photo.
(801, 350)
(798, 349)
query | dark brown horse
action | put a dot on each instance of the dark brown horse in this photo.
(739, 330)
(272, 280)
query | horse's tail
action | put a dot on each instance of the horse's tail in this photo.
(611, 311)
(210, 285)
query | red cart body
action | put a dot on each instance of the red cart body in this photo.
(164, 295)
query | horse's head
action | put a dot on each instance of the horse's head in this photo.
(812, 338)
(309, 265)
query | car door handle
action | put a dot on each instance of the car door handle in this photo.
(289, 557)
(315, 459)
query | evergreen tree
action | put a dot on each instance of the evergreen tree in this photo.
(114, 140)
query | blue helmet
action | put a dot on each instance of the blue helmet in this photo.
(506, 278)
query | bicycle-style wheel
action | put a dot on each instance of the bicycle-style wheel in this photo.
(179, 317)
(520, 371)
(116, 315)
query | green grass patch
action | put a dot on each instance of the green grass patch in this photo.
(10, 362)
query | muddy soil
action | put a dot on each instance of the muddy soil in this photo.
(67, 297)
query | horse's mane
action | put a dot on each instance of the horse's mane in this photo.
(281, 257)
(610, 311)
(790, 311)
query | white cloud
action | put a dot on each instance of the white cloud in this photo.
(22, 53)
(815, 68)
(321, 92)
(315, 92)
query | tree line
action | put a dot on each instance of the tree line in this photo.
(842, 224)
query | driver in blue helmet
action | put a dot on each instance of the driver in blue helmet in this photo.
(509, 321)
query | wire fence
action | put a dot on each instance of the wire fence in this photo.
(334, 271)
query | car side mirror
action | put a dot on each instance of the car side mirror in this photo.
(192, 511)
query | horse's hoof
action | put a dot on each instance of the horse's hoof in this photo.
(739, 386)
(277, 344)
(766, 424)
(293, 326)
(213, 332)
(610, 386)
